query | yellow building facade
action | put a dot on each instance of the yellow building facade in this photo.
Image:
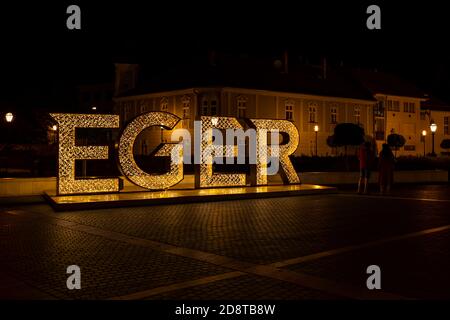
(380, 115)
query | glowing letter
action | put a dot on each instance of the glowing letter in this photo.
(289, 132)
(129, 167)
(205, 178)
(68, 152)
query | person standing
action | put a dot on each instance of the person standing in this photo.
(365, 160)
(386, 169)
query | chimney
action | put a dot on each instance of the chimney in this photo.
(126, 77)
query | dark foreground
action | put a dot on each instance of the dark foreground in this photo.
(308, 247)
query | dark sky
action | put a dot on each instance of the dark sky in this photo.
(40, 57)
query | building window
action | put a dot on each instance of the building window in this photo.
(446, 132)
(389, 105)
(312, 114)
(396, 105)
(357, 114)
(186, 102)
(422, 115)
(204, 107)
(209, 106)
(379, 129)
(164, 104)
(333, 112)
(241, 106)
(289, 111)
(393, 105)
(409, 107)
(214, 107)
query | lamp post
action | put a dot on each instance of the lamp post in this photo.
(424, 134)
(433, 128)
(316, 129)
(54, 128)
(9, 117)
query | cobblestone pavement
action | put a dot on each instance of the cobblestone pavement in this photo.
(307, 247)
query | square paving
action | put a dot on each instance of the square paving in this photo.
(298, 247)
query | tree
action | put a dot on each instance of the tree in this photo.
(396, 141)
(445, 144)
(348, 134)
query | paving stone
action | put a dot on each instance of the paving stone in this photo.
(245, 288)
(260, 231)
(416, 268)
(39, 253)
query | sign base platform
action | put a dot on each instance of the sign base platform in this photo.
(178, 196)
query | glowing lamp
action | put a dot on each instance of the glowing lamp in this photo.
(9, 117)
(433, 127)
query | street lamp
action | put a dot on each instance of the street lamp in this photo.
(433, 128)
(424, 134)
(316, 129)
(9, 117)
(53, 135)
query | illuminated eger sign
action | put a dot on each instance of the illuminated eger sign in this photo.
(264, 158)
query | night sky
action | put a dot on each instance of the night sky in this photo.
(42, 61)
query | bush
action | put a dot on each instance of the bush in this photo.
(445, 144)
(396, 141)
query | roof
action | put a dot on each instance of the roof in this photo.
(436, 104)
(253, 75)
(386, 83)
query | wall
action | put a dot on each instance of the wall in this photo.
(411, 125)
